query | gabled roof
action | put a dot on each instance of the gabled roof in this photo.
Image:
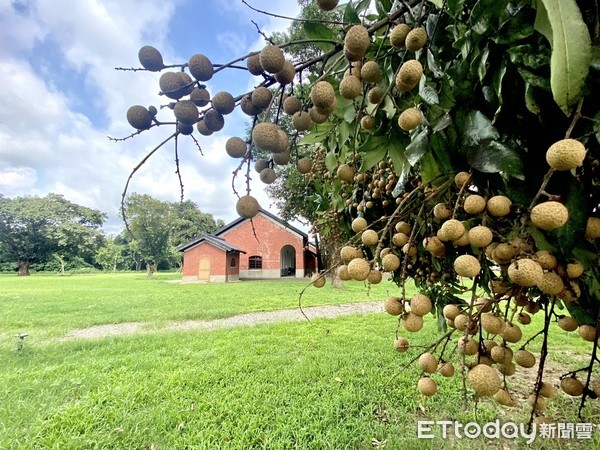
(273, 217)
(211, 239)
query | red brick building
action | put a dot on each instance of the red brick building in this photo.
(264, 247)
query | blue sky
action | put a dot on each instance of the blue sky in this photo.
(61, 97)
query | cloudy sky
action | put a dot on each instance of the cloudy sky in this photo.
(61, 97)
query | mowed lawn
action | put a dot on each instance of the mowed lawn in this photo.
(332, 384)
(50, 306)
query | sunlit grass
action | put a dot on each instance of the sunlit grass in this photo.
(336, 383)
(50, 306)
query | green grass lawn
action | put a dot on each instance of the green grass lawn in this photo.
(336, 383)
(292, 385)
(50, 306)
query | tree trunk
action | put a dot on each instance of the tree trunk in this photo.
(149, 269)
(337, 281)
(23, 268)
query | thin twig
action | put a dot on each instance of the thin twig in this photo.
(178, 169)
(427, 348)
(543, 355)
(135, 169)
(331, 269)
(197, 144)
(593, 359)
(141, 69)
(266, 13)
(261, 32)
(576, 118)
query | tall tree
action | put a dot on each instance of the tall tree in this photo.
(33, 229)
(110, 255)
(190, 222)
(157, 227)
(150, 221)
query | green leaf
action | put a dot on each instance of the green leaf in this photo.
(344, 131)
(372, 157)
(571, 50)
(429, 168)
(331, 161)
(440, 153)
(438, 3)
(541, 243)
(442, 122)
(374, 148)
(497, 84)
(542, 22)
(485, 14)
(483, 65)
(417, 148)
(350, 14)
(433, 66)
(317, 30)
(478, 128)
(496, 157)
(389, 107)
(396, 153)
(384, 6)
(402, 179)
(455, 7)
(570, 233)
(516, 26)
(484, 152)
(530, 101)
(428, 94)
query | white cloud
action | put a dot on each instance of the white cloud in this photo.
(14, 178)
(50, 137)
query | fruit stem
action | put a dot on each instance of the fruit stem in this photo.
(576, 118)
(541, 189)
(593, 359)
(548, 312)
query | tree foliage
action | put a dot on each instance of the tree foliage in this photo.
(466, 109)
(33, 229)
(156, 228)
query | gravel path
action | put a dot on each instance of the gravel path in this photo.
(250, 319)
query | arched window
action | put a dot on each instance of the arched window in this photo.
(255, 262)
(232, 262)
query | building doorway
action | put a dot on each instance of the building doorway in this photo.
(288, 261)
(204, 269)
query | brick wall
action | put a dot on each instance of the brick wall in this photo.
(271, 238)
(192, 258)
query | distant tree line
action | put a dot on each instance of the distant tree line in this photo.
(54, 234)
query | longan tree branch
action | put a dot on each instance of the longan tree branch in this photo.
(576, 116)
(433, 346)
(178, 169)
(131, 135)
(266, 13)
(197, 144)
(532, 338)
(262, 33)
(548, 311)
(141, 69)
(593, 359)
(545, 182)
(330, 270)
